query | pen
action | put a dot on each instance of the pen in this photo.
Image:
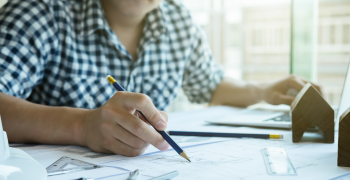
(216, 134)
(171, 142)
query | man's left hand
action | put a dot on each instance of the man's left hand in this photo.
(277, 92)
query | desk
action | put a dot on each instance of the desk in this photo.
(225, 158)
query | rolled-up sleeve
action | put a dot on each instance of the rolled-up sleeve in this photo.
(20, 69)
(24, 45)
(202, 74)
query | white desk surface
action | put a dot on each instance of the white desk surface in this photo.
(231, 158)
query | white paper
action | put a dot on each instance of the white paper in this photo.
(48, 154)
(240, 159)
(234, 158)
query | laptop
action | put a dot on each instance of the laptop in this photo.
(261, 118)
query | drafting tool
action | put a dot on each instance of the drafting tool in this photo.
(67, 165)
(216, 134)
(166, 176)
(171, 142)
(133, 175)
(277, 162)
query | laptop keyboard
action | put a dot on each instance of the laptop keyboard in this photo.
(286, 118)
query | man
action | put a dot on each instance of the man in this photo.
(55, 55)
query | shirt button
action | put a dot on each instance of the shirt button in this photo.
(166, 93)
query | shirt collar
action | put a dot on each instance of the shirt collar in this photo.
(91, 18)
(155, 23)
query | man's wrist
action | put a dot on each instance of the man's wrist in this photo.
(78, 117)
(257, 90)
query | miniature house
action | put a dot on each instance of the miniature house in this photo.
(309, 108)
(344, 139)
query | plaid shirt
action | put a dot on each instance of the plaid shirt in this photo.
(58, 53)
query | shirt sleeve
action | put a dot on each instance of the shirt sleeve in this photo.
(23, 47)
(202, 74)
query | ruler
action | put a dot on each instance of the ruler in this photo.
(67, 165)
(277, 162)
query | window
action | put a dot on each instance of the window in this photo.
(251, 40)
(333, 50)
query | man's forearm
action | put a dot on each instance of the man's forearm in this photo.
(27, 122)
(236, 93)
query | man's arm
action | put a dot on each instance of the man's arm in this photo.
(27, 41)
(112, 128)
(240, 93)
(26, 122)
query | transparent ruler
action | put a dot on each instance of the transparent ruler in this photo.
(66, 165)
(277, 162)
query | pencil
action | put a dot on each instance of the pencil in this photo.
(216, 134)
(171, 142)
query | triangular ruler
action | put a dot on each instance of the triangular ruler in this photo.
(66, 165)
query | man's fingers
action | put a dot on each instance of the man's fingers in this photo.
(117, 147)
(139, 128)
(279, 98)
(300, 81)
(296, 83)
(138, 115)
(164, 115)
(319, 89)
(127, 138)
(145, 105)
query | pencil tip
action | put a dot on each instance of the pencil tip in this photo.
(184, 155)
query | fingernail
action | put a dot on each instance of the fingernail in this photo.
(161, 125)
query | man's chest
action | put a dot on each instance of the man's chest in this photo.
(77, 76)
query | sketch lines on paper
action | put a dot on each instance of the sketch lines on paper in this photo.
(234, 159)
(207, 163)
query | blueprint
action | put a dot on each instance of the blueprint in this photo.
(233, 158)
(48, 154)
(212, 158)
(239, 159)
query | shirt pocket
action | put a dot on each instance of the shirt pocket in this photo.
(86, 92)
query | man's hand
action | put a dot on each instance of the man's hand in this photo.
(240, 93)
(116, 128)
(277, 92)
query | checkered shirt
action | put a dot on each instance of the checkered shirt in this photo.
(58, 53)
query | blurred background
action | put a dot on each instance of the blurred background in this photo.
(263, 40)
(252, 40)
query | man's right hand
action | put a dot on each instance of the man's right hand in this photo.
(116, 128)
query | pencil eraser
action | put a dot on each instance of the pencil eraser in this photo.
(281, 136)
(108, 76)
